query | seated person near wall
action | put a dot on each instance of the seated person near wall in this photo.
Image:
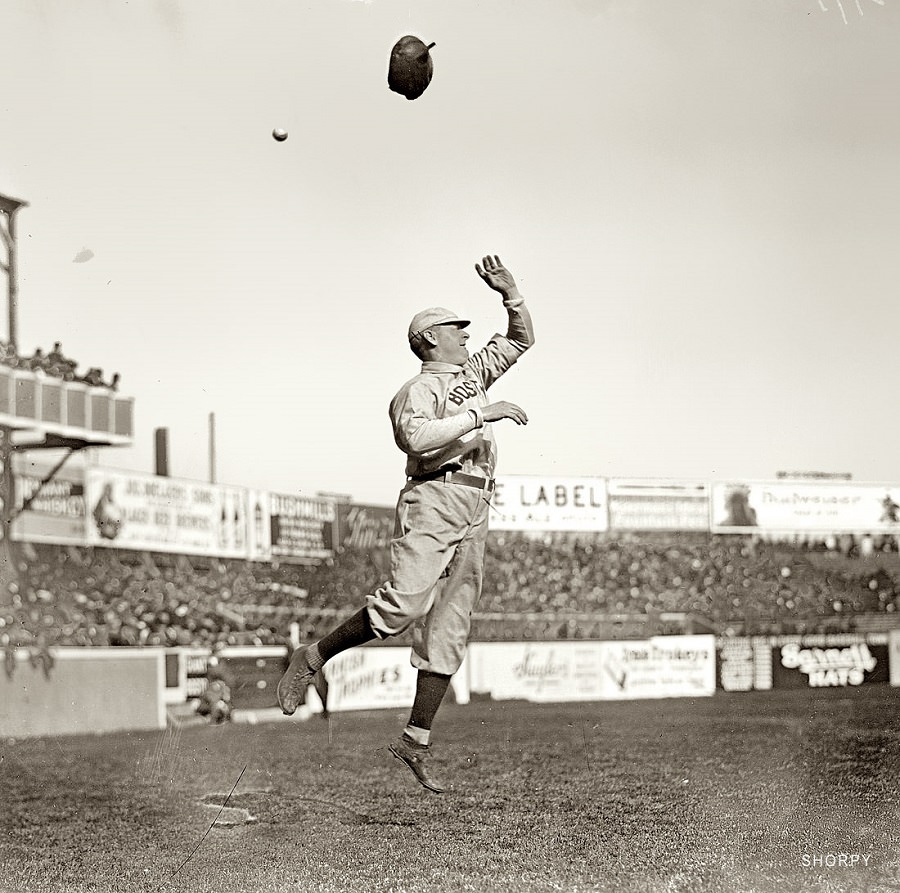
(215, 702)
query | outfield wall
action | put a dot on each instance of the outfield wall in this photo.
(109, 689)
(92, 690)
(382, 676)
(83, 691)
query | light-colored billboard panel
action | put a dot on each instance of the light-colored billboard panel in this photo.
(161, 514)
(651, 504)
(801, 507)
(370, 678)
(56, 513)
(536, 671)
(526, 502)
(661, 667)
(894, 656)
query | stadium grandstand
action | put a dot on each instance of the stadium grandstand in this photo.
(551, 586)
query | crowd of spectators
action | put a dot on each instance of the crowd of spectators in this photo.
(55, 364)
(69, 596)
(731, 581)
(551, 586)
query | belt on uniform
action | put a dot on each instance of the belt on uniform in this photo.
(457, 477)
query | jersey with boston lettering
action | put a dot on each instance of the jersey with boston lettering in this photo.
(437, 416)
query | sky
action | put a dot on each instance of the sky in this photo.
(698, 199)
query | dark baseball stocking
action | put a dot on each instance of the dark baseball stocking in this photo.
(430, 691)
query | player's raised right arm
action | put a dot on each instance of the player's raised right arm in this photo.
(497, 277)
(520, 329)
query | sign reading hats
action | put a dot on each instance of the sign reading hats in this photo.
(411, 67)
(434, 316)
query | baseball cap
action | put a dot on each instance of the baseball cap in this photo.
(434, 316)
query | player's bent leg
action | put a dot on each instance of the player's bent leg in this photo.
(440, 639)
(307, 661)
(439, 646)
(417, 564)
(431, 521)
(392, 611)
(418, 560)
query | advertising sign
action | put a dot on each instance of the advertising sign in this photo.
(365, 526)
(301, 527)
(796, 665)
(162, 514)
(370, 678)
(536, 671)
(744, 664)
(57, 513)
(658, 505)
(663, 667)
(522, 502)
(799, 506)
(259, 529)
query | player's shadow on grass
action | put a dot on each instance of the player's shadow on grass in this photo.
(349, 816)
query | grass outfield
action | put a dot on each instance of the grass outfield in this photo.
(736, 792)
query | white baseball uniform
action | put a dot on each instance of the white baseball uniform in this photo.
(437, 553)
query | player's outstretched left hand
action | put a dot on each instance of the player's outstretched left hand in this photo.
(496, 275)
(503, 409)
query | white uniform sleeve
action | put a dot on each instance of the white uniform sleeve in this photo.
(417, 430)
(502, 351)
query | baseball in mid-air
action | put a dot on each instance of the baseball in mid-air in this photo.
(279, 134)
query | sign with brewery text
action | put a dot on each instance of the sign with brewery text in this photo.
(801, 506)
(148, 512)
(526, 502)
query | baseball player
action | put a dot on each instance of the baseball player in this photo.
(442, 421)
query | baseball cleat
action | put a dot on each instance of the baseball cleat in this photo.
(292, 685)
(415, 756)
